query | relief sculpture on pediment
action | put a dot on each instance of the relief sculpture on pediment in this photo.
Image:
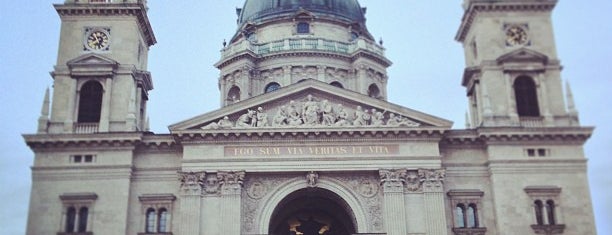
(313, 112)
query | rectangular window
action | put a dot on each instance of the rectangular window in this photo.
(87, 158)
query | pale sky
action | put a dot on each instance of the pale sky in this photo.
(419, 37)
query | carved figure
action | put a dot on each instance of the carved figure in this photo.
(310, 111)
(377, 118)
(224, 123)
(328, 114)
(361, 117)
(246, 120)
(311, 179)
(342, 118)
(280, 119)
(401, 121)
(262, 118)
(294, 118)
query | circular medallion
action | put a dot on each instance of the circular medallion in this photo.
(257, 190)
(368, 188)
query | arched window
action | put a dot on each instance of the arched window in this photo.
(150, 221)
(303, 28)
(70, 219)
(526, 97)
(472, 218)
(337, 84)
(162, 220)
(460, 216)
(234, 94)
(273, 86)
(83, 214)
(373, 91)
(550, 212)
(539, 207)
(90, 102)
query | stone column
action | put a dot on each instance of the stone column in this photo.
(433, 197)
(394, 209)
(231, 189)
(191, 191)
(104, 125)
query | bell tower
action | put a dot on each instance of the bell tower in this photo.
(513, 74)
(101, 81)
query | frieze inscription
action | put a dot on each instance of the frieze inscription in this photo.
(242, 151)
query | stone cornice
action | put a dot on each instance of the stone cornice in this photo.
(310, 134)
(115, 9)
(477, 6)
(304, 53)
(58, 141)
(517, 136)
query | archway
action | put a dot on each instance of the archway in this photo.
(312, 211)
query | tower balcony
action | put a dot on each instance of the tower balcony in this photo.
(302, 45)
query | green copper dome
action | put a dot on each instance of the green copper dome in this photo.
(258, 11)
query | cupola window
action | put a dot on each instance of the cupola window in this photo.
(234, 94)
(337, 84)
(272, 87)
(303, 28)
(373, 91)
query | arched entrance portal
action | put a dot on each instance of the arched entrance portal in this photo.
(312, 211)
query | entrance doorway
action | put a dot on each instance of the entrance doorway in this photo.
(312, 211)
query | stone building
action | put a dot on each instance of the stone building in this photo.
(305, 141)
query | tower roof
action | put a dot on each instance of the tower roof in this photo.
(259, 11)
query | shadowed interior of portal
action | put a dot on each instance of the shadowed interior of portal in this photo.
(312, 211)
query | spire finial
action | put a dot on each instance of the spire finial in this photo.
(43, 120)
(571, 106)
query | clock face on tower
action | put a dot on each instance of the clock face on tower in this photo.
(97, 39)
(516, 35)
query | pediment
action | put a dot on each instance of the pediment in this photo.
(523, 55)
(92, 65)
(310, 104)
(92, 59)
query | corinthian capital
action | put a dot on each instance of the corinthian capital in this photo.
(230, 181)
(393, 179)
(432, 179)
(191, 181)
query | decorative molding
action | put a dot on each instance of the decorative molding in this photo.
(469, 231)
(548, 229)
(71, 197)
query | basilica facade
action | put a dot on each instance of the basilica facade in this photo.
(305, 141)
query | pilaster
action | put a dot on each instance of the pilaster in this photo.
(191, 191)
(231, 189)
(433, 197)
(394, 208)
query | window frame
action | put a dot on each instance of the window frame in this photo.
(526, 96)
(159, 204)
(464, 199)
(78, 202)
(546, 218)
